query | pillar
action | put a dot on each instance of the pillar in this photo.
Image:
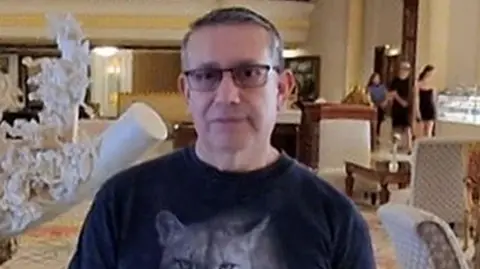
(336, 35)
(382, 26)
(449, 39)
(355, 44)
(409, 30)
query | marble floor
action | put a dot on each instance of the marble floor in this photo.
(384, 252)
(50, 245)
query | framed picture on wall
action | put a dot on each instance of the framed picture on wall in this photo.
(4, 63)
(306, 70)
(9, 65)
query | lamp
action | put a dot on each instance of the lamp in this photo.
(292, 53)
(105, 51)
(393, 51)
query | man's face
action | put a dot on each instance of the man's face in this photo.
(233, 89)
(404, 72)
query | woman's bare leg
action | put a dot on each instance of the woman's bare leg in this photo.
(408, 137)
(419, 130)
(428, 128)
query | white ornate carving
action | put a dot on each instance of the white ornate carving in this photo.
(9, 94)
(47, 171)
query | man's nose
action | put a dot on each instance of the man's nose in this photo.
(227, 91)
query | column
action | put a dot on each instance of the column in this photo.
(355, 44)
(449, 39)
(409, 30)
(382, 26)
(463, 46)
(330, 36)
(433, 38)
(438, 39)
(423, 34)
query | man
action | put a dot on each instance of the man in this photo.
(400, 89)
(232, 200)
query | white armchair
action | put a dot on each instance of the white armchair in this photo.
(421, 239)
(439, 170)
(341, 140)
(335, 133)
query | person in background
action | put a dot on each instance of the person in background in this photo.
(400, 89)
(380, 97)
(425, 99)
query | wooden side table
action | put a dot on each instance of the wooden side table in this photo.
(378, 172)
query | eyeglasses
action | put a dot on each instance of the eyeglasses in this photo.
(243, 76)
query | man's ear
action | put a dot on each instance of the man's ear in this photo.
(286, 84)
(183, 86)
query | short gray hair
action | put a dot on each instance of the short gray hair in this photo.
(236, 16)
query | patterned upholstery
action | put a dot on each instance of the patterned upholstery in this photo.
(437, 180)
(421, 239)
(441, 251)
(473, 190)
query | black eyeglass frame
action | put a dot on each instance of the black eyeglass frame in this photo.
(266, 67)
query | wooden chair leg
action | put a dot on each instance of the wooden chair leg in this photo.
(466, 226)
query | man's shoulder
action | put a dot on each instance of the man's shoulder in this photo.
(159, 168)
(321, 194)
(328, 204)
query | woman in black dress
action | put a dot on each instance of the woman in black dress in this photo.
(425, 101)
(400, 89)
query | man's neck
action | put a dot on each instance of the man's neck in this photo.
(249, 159)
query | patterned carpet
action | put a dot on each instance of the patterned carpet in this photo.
(384, 252)
(50, 246)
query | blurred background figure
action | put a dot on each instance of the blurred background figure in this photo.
(400, 89)
(425, 101)
(380, 97)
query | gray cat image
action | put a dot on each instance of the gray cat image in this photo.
(227, 242)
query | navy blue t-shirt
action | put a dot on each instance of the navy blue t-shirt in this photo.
(179, 212)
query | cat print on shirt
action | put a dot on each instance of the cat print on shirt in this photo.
(228, 242)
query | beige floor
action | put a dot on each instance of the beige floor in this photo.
(50, 245)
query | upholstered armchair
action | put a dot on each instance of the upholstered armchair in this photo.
(421, 239)
(331, 134)
(437, 185)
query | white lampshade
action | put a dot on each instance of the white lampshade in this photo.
(105, 51)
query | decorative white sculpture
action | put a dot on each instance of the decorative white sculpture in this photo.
(48, 171)
(9, 94)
